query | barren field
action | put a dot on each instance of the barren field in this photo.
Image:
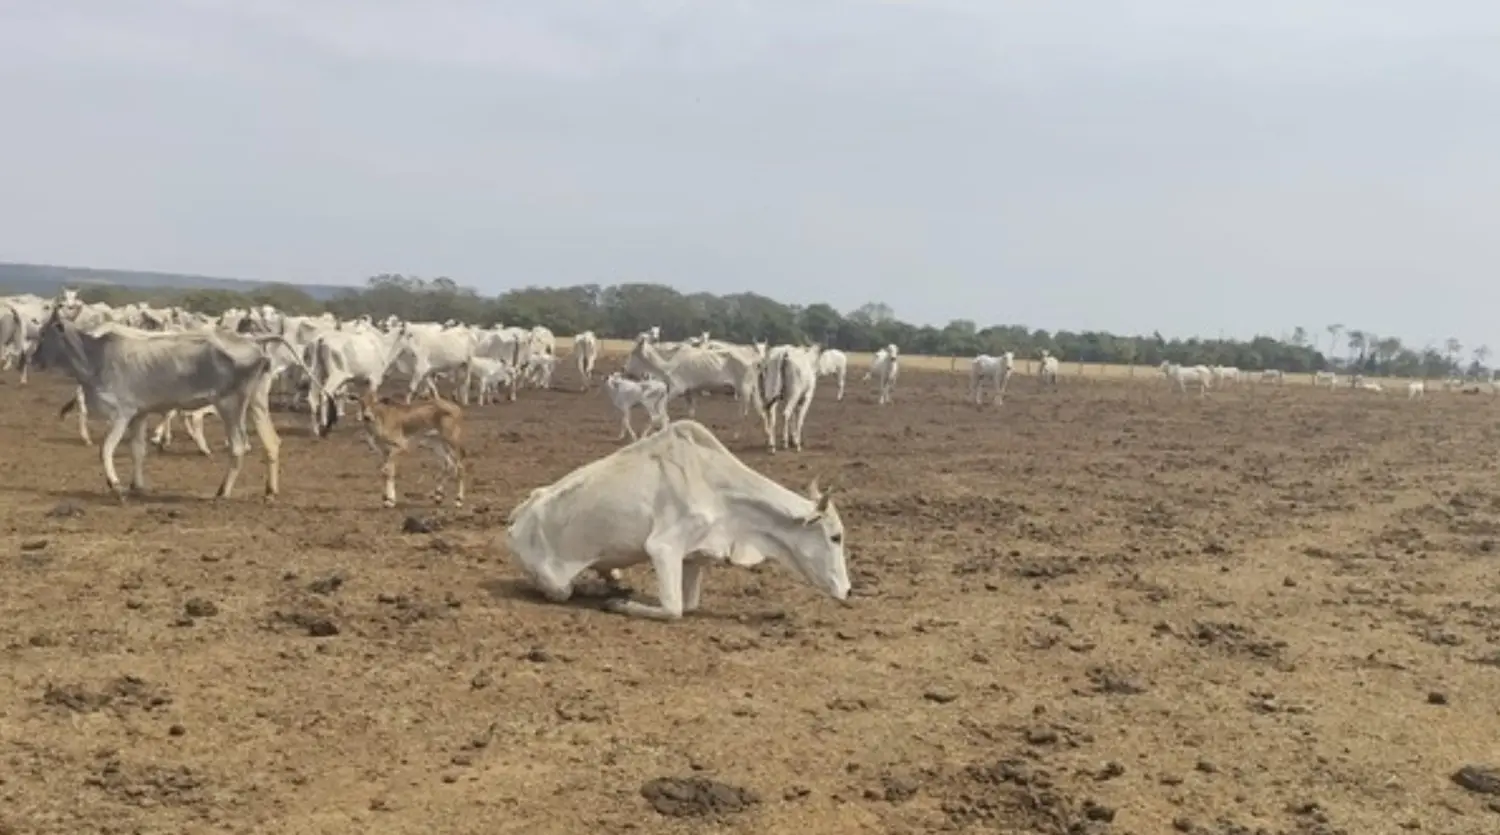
(1096, 610)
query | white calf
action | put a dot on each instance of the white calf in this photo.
(626, 394)
(1416, 389)
(491, 374)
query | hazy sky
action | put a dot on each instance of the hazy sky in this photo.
(1182, 165)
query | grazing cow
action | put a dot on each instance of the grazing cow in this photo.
(437, 424)
(833, 363)
(1273, 375)
(626, 394)
(129, 377)
(679, 500)
(340, 356)
(1325, 378)
(586, 352)
(538, 370)
(788, 381)
(1361, 384)
(1180, 376)
(995, 369)
(1416, 389)
(885, 366)
(687, 371)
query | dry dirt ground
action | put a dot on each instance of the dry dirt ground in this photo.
(1099, 609)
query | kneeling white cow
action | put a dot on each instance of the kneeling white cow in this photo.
(679, 500)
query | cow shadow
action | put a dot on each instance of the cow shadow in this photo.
(594, 595)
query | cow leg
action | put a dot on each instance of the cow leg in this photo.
(455, 456)
(163, 434)
(463, 393)
(117, 427)
(258, 415)
(234, 411)
(666, 563)
(83, 418)
(137, 432)
(195, 431)
(802, 407)
(625, 427)
(692, 584)
(388, 470)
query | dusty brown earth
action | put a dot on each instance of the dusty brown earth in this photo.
(1096, 610)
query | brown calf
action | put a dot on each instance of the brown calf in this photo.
(437, 424)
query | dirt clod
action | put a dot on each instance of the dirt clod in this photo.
(326, 585)
(1481, 779)
(696, 797)
(198, 607)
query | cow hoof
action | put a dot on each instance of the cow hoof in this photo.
(389, 503)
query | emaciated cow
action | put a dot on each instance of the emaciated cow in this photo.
(681, 501)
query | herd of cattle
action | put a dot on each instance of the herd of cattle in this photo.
(705, 505)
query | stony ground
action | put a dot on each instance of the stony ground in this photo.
(1096, 610)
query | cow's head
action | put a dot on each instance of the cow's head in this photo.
(819, 551)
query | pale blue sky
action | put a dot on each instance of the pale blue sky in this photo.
(1182, 165)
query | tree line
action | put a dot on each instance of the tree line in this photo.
(621, 311)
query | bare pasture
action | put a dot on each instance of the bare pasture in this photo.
(1097, 609)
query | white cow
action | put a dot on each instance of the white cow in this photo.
(129, 377)
(1225, 374)
(1048, 370)
(834, 363)
(509, 345)
(688, 370)
(436, 348)
(885, 367)
(1325, 378)
(1180, 376)
(788, 381)
(626, 394)
(538, 369)
(335, 358)
(586, 352)
(1416, 389)
(1273, 375)
(542, 341)
(681, 501)
(995, 369)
